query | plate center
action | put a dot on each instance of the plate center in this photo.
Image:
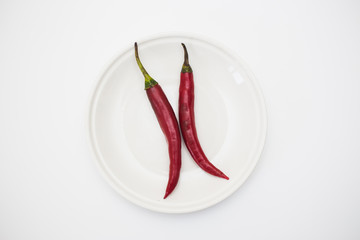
(147, 142)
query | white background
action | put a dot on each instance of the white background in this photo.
(306, 56)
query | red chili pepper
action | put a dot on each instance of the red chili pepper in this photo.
(168, 123)
(187, 119)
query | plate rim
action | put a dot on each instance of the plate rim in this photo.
(99, 162)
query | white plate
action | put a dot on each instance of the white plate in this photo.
(130, 147)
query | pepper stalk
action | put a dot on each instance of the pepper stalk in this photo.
(186, 66)
(149, 81)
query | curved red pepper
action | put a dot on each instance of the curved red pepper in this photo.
(187, 119)
(168, 123)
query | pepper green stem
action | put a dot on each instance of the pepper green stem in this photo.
(149, 81)
(186, 66)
